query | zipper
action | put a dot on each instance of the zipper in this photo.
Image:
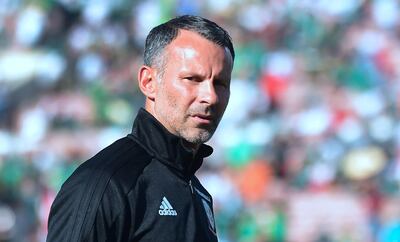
(191, 186)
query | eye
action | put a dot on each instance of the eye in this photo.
(221, 83)
(192, 78)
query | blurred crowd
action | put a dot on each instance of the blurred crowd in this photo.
(308, 149)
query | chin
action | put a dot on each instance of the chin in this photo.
(198, 137)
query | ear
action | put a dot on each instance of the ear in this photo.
(147, 81)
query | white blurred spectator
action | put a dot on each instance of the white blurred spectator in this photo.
(30, 24)
(381, 128)
(7, 222)
(255, 17)
(32, 127)
(338, 8)
(81, 38)
(350, 131)
(114, 36)
(219, 7)
(386, 13)
(312, 122)
(6, 143)
(18, 67)
(259, 132)
(50, 67)
(96, 11)
(244, 99)
(370, 41)
(146, 15)
(90, 66)
(322, 173)
(280, 64)
(10, 66)
(368, 103)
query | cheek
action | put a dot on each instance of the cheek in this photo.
(180, 88)
(175, 96)
(182, 93)
(224, 98)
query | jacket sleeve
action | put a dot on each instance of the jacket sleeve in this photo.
(89, 207)
(92, 204)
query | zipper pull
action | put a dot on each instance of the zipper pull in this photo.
(190, 185)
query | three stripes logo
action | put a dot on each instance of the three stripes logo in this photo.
(166, 209)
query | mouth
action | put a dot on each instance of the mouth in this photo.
(203, 119)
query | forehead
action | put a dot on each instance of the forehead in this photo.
(192, 46)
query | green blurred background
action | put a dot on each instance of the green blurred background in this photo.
(308, 150)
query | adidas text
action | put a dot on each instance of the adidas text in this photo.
(167, 212)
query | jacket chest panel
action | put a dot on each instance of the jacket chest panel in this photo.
(169, 206)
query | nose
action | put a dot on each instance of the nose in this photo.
(207, 93)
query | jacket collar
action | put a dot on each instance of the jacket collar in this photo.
(166, 147)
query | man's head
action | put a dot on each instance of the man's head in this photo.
(186, 76)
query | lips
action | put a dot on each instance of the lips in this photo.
(202, 118)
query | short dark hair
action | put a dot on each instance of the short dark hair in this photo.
(163, 34)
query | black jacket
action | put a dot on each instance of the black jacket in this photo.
(140, 188)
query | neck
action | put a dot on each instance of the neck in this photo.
(193, 147)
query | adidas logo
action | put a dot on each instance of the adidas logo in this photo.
(166, 209)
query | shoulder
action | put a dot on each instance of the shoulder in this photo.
(102, 181)
(121, 162)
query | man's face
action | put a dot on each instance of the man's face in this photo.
(193, 90)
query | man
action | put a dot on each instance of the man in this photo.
(143, 187)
